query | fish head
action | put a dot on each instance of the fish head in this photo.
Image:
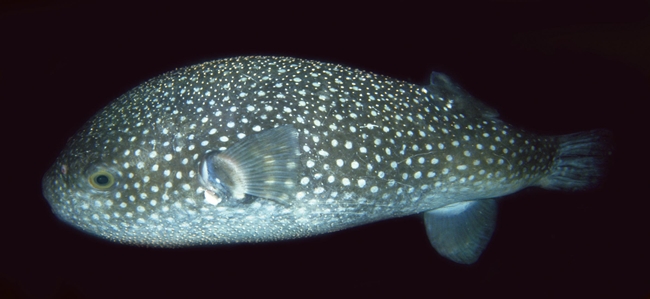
(150, 181)
(98, 182)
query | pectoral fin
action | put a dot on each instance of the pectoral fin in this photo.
(262, 165)
(461, 231)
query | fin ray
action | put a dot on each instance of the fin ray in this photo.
(580, 161)
(461, 231)
(443, 86)
(262, 165)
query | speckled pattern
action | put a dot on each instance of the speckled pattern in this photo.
(368, 148)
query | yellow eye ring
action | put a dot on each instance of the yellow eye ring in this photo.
(101, 180)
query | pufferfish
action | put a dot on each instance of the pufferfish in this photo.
(257, 148)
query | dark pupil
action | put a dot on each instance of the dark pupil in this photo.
(101, 179)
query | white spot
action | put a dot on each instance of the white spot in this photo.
(211, 198)
(361, 183)
(168, 157)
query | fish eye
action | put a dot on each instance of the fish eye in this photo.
(101, 180)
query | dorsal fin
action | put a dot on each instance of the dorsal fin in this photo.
(441, 85)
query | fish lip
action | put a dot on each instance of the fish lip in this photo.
(53, 194)
(46, 184)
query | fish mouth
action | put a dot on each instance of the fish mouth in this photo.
(51, 186)
(55, 191)
(46, 183)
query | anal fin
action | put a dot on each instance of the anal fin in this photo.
(462, 230)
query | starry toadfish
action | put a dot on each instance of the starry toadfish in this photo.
(254, 149)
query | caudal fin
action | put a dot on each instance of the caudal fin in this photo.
(580, 161)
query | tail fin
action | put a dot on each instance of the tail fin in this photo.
(580, 161)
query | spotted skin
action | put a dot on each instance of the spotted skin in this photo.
(369, 148)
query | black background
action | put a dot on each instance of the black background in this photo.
(550, 67)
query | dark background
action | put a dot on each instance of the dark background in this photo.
(550, 67)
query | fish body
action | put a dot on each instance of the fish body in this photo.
(254, 149)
